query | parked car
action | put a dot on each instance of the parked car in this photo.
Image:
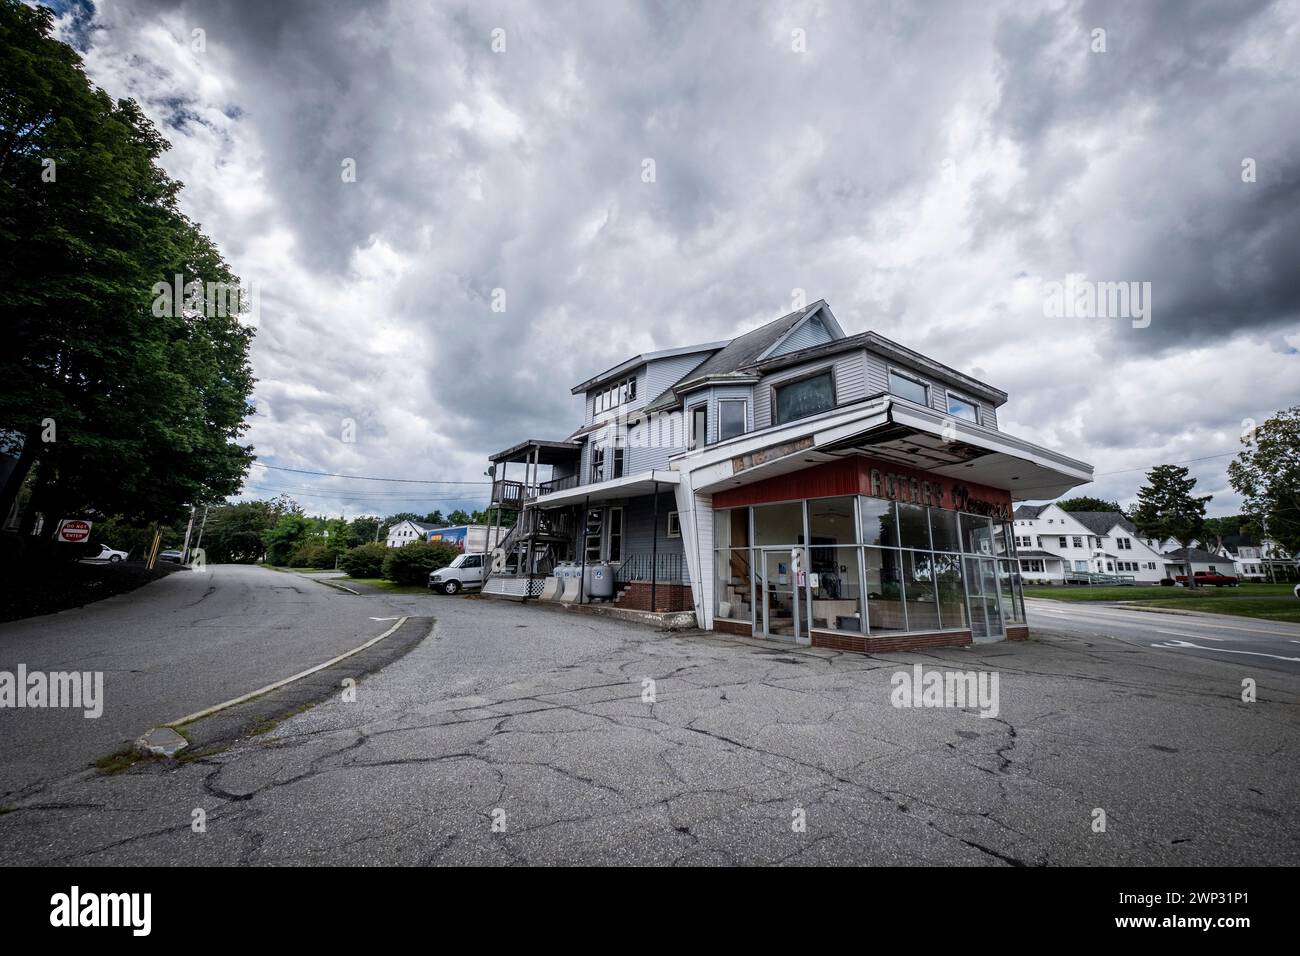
(171, 554)
(105, 554)
(465, 572)
(1210, 579)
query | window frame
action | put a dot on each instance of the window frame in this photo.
(911, 377)
(694, 443)
(949, 395)
(795, 380)
(675, 518)
(744, 417)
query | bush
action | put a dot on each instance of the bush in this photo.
(412, 564)
(313, 553)
(365, 561)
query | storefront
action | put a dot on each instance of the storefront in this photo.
(862, 554)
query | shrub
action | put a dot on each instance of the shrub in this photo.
(312, 553)
(412, 564)
(365, 561)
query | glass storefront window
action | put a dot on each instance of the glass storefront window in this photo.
(836, 602)
(885, 608)
(779, 524)
(913, 527)
(733, 589)
(1013, 605)
(831, 521)
(919, 588)
(944, 530)
(977, 534)
(1002, 540)
(731, 528)
(950, 590)
(878, 523)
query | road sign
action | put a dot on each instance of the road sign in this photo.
(73, 530)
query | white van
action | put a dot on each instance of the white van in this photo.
(465, 572)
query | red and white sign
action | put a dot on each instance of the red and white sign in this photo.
(74, 530)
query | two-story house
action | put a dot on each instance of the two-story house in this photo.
(794, 482)
(1053, 544)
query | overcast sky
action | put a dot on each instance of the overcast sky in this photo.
(926, 168)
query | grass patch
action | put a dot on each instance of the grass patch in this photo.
(266, 726)
(384, 584)
(1272, 602)
(121, 762)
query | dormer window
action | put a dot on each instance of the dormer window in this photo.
(615, 394)
(959, 407)
(905, 386)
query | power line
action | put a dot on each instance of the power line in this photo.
(347, 495)
(409, 481)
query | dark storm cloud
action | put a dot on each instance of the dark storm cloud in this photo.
(775, 170)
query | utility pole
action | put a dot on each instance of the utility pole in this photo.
(202, 526)
(185, 549)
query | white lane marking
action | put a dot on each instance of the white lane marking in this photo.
(208, 711)
(1111, 613)
(383, 619)
(1203, 637)
(1224, 650)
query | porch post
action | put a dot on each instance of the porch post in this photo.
(654, 553)
(582, 544)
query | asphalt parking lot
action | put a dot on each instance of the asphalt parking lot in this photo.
(526, 735)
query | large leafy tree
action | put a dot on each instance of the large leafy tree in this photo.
(1085, 503)
(113, 408)
(1267, 476)
(1166, 508)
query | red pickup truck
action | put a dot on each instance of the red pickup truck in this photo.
(1210, 578)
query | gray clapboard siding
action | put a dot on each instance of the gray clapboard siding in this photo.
(850, 382)
(813, 332)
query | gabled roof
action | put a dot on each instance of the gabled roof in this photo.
(1198, 556)
(638, 360)
(741, 351)
(1029, 512)
(1101, 522)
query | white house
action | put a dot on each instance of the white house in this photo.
(406, 532)
(1052, 542)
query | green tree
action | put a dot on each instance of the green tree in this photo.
(365, 529)
(434, 517)
(234, 533)
(113, 408)
(1267, 476)
(459, 517)
(1085, 503)
(1167, 508)
(283, 538)
(412, 564)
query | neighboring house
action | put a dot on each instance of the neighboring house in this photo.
(1176, 562)
(1082, 542)
(405, 532)
(1256, 560)
(699, 476)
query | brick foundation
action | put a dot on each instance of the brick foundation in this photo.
(844, 641)
(1018, 632)
(733, 627)
(668, 597)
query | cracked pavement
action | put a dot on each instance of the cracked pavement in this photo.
(533, 719)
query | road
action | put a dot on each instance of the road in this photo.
(184, 642)
(529, 735)
(1248, 642)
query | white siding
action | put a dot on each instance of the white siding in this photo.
(850, 383)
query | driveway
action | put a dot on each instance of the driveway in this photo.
(182, 643)
(529, 735)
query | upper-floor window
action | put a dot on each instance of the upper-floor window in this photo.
(606, 463)
(1124, 544)
(1078, 541)
(615, 394)
(959, 407)
(912, 389)
(699, 426)
(803, 397)
(731, 418)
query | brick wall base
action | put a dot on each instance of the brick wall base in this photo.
(1018, 632)
(733, 627)
(668, 597)
(842, 641)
